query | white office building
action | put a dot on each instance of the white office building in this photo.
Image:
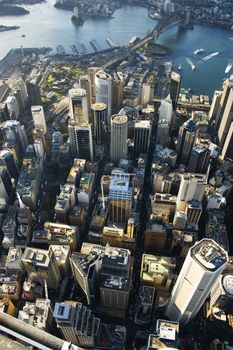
(192, 187)
(201, 269)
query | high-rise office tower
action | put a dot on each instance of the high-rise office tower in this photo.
(221, 294)
(34, 97)
(85, 268)
(41, 265)
(81, 140)
(85, 83)
(120, 197)
(7, 158)
(103, 89)
(78, 105)
(115, 278)
(91, 72)
(165, 109)
(186, 140)
(4, 113)
(142, 132)
(227, 150)
(99, 122)
(119, 135)
(215, 105)
(201, 269)
(77, 324)
(13, 107)
(199, 159)
(163, 133)
(14, 134)
(5, 183)
(21, 85)
(39, 134)
(117, 93)
(225, 112)
(192, 187)
(39, 118)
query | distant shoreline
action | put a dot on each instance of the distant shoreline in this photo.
(6, 28)
(6, 10)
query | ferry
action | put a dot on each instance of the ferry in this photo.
(210, 56)
(198, 51)
(192, 65)
(228, 67)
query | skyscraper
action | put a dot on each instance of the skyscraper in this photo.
(4, 113)
(224, 116)
(13, 107)
(39, 118)
(227, 150)
(77, 324)
(85, 268)
(99, 122)
(103, 89)
(120, 197)
(201, 269)
(186, 140)
(142, 132)
(199, 159)
(215, 105)
(192, 187)
(33, 91)
(14, 134)
(41, 265)
(7, 158)
(78, 105)
(81, 140)
(5, 183)
(119, 134)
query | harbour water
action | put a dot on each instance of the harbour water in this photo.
(48, 26)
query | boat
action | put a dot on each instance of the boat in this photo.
(206, 58)
(231, 38)
(198, 51)
(179, 67)
(228, 67)
(192, 65)
(185, 91)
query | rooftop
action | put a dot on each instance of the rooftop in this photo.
(119, 119)
(209, 254)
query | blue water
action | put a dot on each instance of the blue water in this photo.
(48, 26)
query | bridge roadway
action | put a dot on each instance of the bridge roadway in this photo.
(164, 24)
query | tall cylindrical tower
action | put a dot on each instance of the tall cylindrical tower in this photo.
(119, 133)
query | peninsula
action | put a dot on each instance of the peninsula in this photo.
(6, 10)
(5, 28)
